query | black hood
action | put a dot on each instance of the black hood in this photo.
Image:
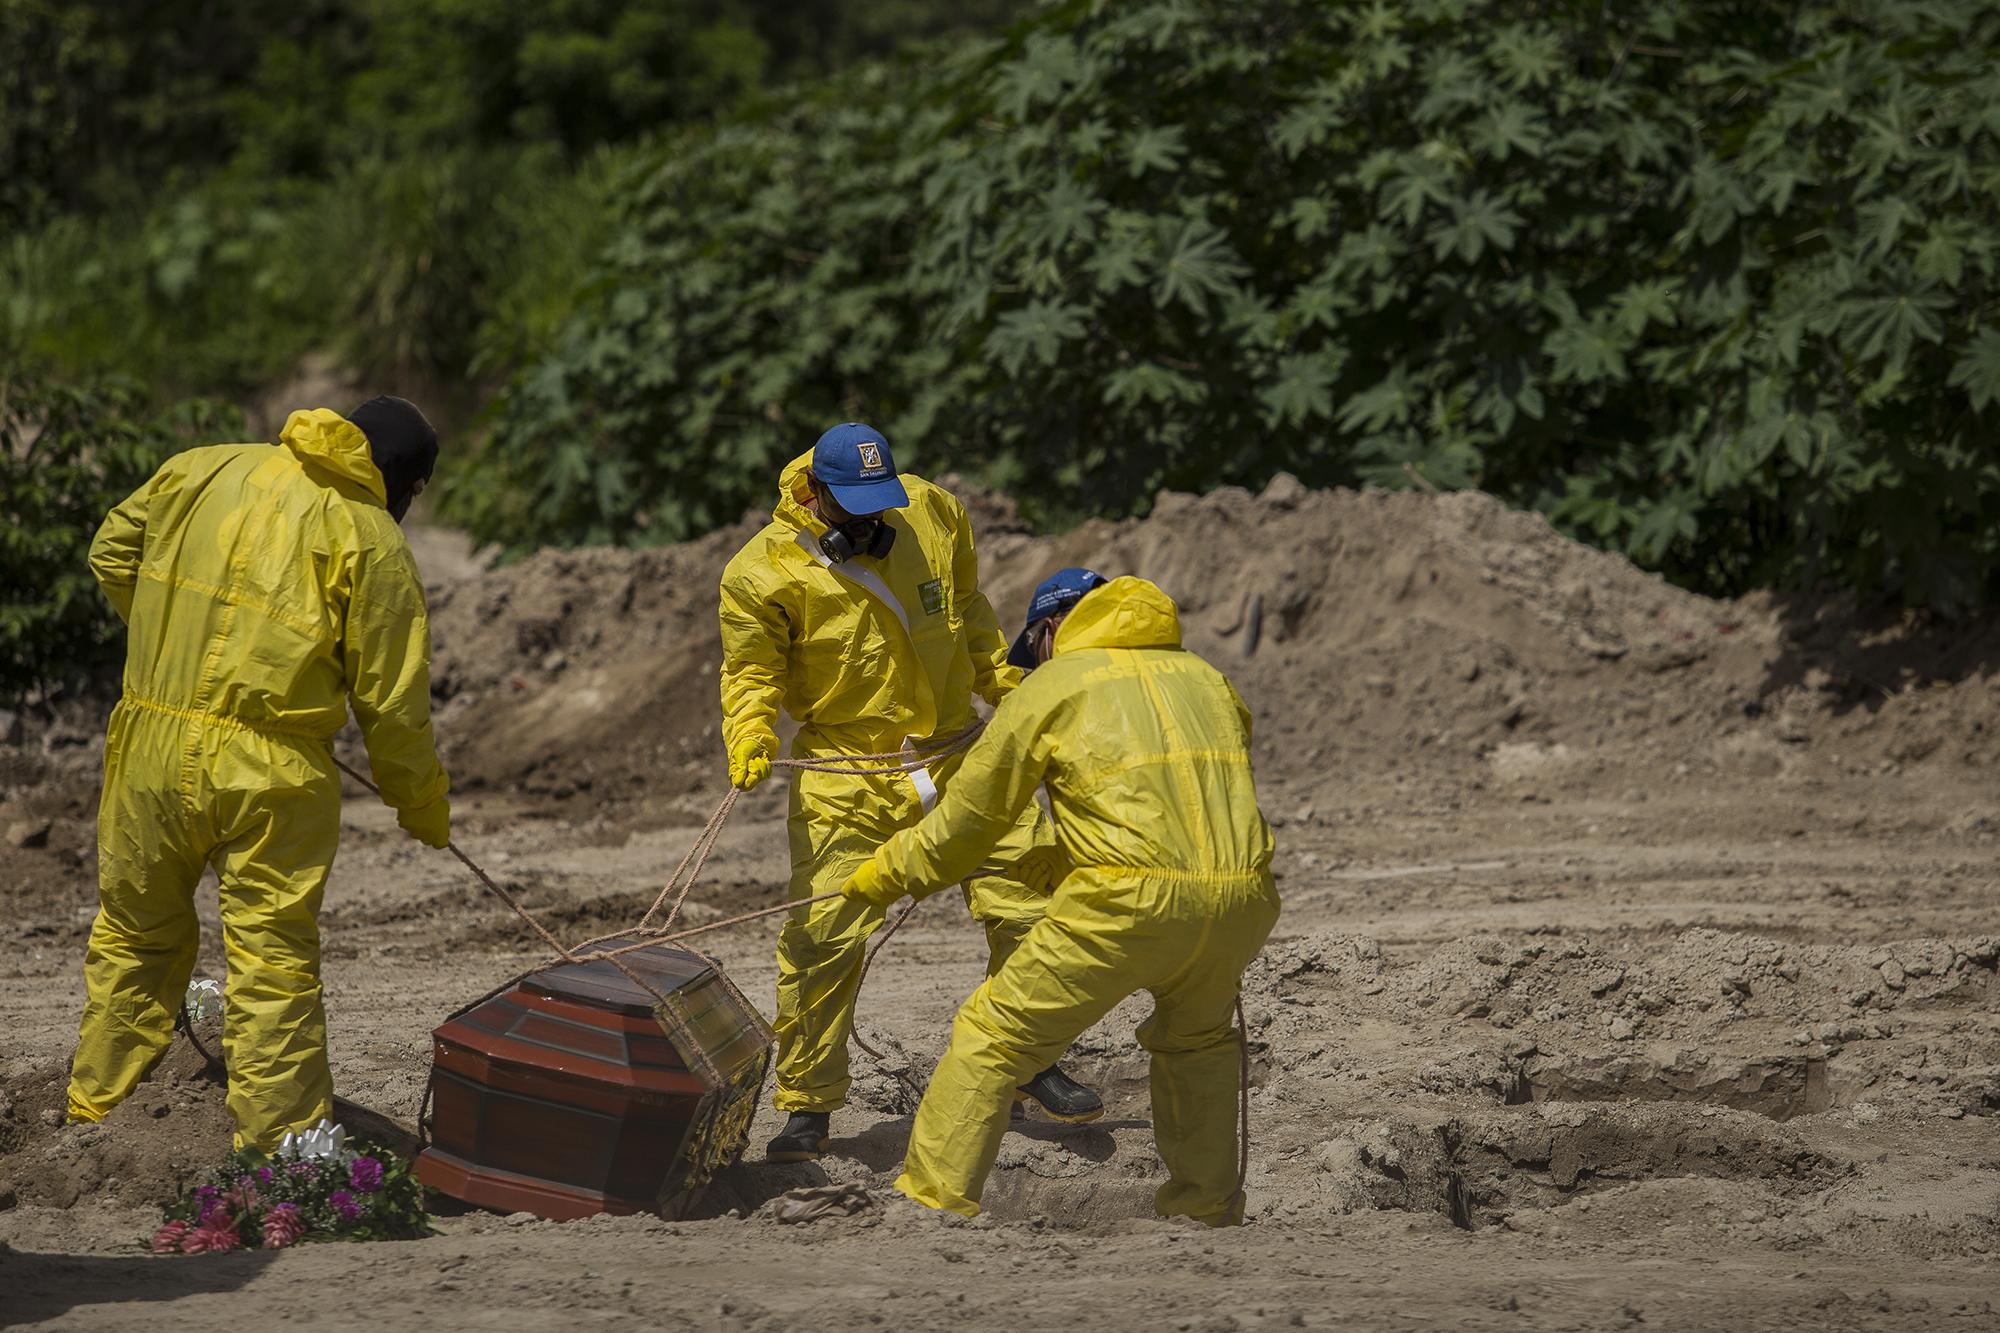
(403, 444)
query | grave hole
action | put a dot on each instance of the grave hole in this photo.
(1779, 1087)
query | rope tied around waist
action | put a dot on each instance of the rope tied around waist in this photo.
(911, 757)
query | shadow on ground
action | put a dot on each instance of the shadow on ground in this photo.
(42, 1286)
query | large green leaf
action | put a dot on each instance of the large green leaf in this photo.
(1196, 264)
(1977, 369)
(1035, 334)
(1303, 390)
(1476, 223)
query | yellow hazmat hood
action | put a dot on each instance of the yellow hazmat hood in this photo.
(1127, 612)
(793, 492)
(322, 437)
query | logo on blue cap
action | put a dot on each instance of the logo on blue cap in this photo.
(853, 461)
(1058, 592)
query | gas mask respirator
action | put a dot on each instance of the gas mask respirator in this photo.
(857, 536)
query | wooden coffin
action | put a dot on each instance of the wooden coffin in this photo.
(574, 1091)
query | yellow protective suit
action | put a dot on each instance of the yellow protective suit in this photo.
(264, 587)
(1146, 752)
(866, 656)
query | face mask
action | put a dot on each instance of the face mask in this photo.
(857, 536)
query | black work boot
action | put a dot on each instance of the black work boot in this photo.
(803, 1139)
(1061, 1097)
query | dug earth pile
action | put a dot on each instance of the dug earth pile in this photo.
(1387, 634)
(1637, 964)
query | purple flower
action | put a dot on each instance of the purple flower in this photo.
(343, 1203)
(205, 1193)
(365, 1174)
(264, 1174)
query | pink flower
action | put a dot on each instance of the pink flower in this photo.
(283, 1226)
(343, 1203)
(211, 1240)
(168, 1238)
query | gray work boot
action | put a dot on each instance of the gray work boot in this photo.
(1061, 1097)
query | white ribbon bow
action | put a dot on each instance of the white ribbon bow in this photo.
(325, 1141)
(204, 1000)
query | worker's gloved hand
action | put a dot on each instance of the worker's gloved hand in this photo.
(1042, 868)
(750, 762)
(867, 885)
(428, 824)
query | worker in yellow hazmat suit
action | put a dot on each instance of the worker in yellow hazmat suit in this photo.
(1146, 752)
(857, 610)
(264, 588)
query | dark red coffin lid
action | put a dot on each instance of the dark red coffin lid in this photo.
(600, 983)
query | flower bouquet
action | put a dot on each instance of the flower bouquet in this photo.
(315, 1187)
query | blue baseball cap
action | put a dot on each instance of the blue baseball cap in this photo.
(1058, 592)
(852, 460)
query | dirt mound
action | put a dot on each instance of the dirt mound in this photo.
(1375, 630)
(1569, 985)
(1374, 634)
(587, 675)
(50, 761)
(1708, 979)
(175, 1126)
(1719, 1019)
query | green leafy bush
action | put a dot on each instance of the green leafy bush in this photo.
(410, 185)
(1708, 282)
(68, 453)
(756, 290)
(461, 263)
(110, 105)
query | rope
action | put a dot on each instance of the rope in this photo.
(704, 843)
(724, 924)
(514, 903)
(1242, 1105)
(869, 962)
(917, 754)
(906, 760)
(424, 1113)
(911, 1087)
(685, 875)
(697, 856)
(185, 1022)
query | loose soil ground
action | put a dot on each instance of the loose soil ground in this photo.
(1637, 966)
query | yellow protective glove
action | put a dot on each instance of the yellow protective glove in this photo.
(1042, 868)
(750, 762)
(428, 824)
(866, 885)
